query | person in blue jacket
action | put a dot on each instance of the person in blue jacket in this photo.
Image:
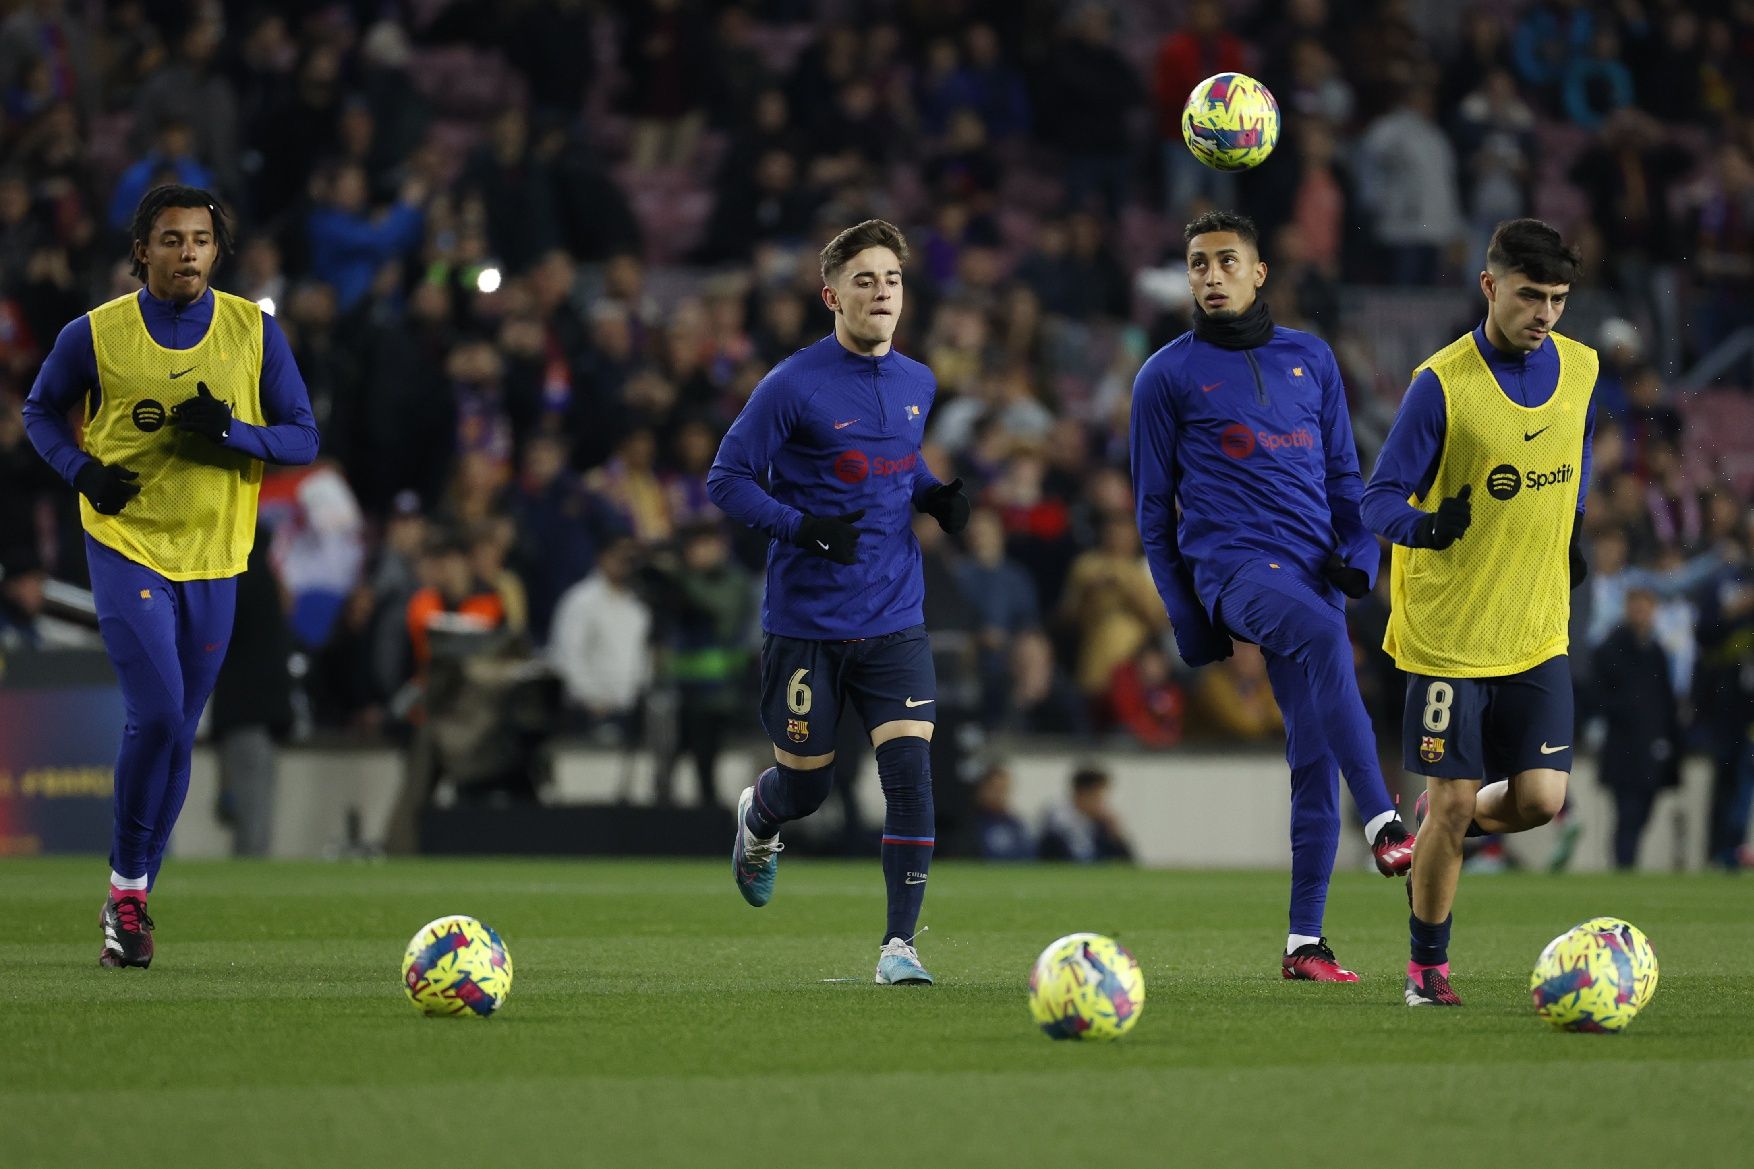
(835, 431)
(1243, 424)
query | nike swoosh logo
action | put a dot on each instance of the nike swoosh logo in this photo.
(844, 425)
(1546, 750)
(821, 545)
(911, 881)
(191, 369)
(1210, 388)
(913, 702)
(1537, 434)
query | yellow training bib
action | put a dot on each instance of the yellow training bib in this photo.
(195, 516)
(1498, 600)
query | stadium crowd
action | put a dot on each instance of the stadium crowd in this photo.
(532, 258)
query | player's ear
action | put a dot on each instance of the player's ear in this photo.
(831, 298)
(1260, 272)
(1488, 286)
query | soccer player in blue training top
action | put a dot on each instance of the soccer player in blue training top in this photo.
(1481, 603)
(835, 429)
(1245, 425)
(187, 392)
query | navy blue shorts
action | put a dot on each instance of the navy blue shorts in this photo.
(1489, 728)
(804, 683)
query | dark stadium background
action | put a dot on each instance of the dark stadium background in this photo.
(532, 257)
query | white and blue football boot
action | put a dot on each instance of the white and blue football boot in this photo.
(898, 964)
(754, 861)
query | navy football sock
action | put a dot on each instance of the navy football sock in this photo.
(1430, 942)
(904, 768)
(786, 793)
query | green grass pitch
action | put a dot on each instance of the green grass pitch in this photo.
(656, 1020)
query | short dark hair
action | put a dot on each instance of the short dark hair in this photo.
(1535, 249)
(163, 198)
(1242, 225)
(1089, 778)
(873, 233)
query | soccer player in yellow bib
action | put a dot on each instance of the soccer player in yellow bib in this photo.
(1480, 486)
(187, 392)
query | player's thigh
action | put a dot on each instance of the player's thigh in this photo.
(1275, 608)
(205, 613)
(137, 620)
(1530, 720)
(800, 696)
(892, 679)
(1442, 733)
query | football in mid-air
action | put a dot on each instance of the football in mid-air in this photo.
(1086, 986)
(1231, 122)
(457, 966)
(1587, 977)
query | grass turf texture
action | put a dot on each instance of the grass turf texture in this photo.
(657, 1020)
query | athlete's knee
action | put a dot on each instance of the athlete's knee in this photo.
(800, 791)
(904, 768)
(1540, 796)
(158, 724)
(1452, 808)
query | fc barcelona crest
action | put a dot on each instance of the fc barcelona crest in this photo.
(798, 730)
(1431, 748)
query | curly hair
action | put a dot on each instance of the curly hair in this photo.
(163, 198)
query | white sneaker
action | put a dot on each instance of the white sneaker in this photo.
(898, 964)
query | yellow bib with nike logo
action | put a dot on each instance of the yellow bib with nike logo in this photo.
(1497, 601)
(195, 516)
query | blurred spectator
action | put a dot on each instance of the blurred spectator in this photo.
(451, 598)
(669, 64)
(1086, 83)
(1723, 700)
(191, 90)
(171, 159)
(999, 833)
(1495, 132)
(1085, 829)
(1407, 182)
(347, 245)
(1005, 605)
(1642, 752)
(514, 183)
(1145, 700)
(251, 711)
(1549, 38)
(560, 526)
(1597, 82)
(599, 645)
(1185, 57)
(21, 600)
(710, 604)
(1723, 259)
(1111, 604)
(1233, 701)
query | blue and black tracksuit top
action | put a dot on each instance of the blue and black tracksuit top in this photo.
(1257, 446)
(833, 432)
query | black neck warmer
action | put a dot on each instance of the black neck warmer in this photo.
(1249, 331)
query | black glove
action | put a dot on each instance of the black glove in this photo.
(203, 414)
(832, 539)
(1579, 567)
(1354, 582)
(1447, 524)
(1199, 642)
(108, 487)
(948, 504)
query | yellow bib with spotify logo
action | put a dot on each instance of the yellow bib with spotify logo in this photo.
(1497, 601)
(195, 516)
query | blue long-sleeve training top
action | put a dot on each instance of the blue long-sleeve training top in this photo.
(69, 374)
(1257, 446)
(1407, 465)
(833, 432)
